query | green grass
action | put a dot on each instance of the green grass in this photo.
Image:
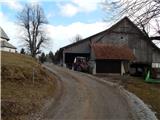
(20, 94)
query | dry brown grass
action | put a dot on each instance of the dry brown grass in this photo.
(149, 93)
(21, 95)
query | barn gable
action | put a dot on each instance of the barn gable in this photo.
(122, 31)
(125, 32)
(125, 26)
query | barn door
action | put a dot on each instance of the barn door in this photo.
(108, 66)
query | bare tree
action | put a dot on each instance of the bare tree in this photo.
(77, 38)
(145, 13)
(32, 19)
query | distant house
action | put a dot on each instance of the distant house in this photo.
(123, 48)
(5, 45)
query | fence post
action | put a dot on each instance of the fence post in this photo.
(33, 75)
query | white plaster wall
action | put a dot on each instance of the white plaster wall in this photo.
(122, 68)
(155, 65)
(94, 68)
(8, 49)
(1, 39)
(5, 48)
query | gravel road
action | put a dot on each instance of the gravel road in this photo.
(84, 98)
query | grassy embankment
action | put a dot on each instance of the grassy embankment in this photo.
(22, 95)
(149, 93)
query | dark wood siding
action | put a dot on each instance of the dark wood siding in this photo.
(108, 66)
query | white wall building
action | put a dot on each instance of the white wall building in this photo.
(5, 45)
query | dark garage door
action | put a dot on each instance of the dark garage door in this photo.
(108, 66)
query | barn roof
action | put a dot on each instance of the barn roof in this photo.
(100, 33)
(110, 51)
(6, 44)
(108, 30)
(3, 34)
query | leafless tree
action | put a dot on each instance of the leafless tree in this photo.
(77, 38)
(32, 19)
(143, 12)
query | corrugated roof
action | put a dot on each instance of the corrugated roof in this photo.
(110, 51)
(6, 44)
(3, 34)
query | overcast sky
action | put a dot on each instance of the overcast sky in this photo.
(66, 19)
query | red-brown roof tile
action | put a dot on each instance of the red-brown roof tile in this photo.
(110, 51)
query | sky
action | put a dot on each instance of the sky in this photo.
(66, 18)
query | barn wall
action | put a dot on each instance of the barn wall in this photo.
(141, 48)
(83, 47)
(156, 56)
(115, 38)
(124, 33)
(127, 34)
(79, 49)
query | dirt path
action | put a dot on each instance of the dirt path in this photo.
(82, 97)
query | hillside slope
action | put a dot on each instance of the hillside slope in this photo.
(25, 86)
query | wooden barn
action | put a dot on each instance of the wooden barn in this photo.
(121, 49)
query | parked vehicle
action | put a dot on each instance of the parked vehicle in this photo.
(80, 64)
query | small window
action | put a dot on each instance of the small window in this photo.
(121, 37)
